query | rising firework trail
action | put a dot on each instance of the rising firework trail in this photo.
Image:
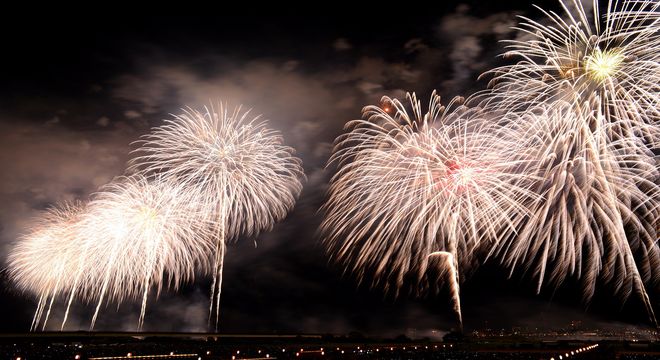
(412, 186)
(242, 175)
(454, 281)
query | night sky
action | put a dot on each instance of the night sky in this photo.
(75, 91)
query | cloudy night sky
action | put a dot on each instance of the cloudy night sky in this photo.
(75, 92)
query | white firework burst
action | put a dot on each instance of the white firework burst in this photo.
(587, 82)
(612, 54)
(242, 175)
(413, 186)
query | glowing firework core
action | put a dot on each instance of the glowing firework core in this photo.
(462, 175)
(457, 177)
(147, 216)
(602, 65)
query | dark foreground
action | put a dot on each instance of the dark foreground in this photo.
(97, 346)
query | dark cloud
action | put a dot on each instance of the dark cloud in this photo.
(342, 44)
(474, 42)
(47, 163)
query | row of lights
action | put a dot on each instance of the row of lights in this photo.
(238, 352)
(575, 352)
(131, 356)
(358, 349)
(320, 351)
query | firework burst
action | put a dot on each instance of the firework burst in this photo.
(242, 175)
(612, 54)
(585, 93)
(413, 187)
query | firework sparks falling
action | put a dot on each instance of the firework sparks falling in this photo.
(411, 185)
(244, 178)
(587, 84)
(597, 216)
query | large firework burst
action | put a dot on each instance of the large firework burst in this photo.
(412, 187)
(242, 175)
(585, 86)
(612, 53)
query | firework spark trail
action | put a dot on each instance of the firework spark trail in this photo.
(410, 185)
(52, 300)
(584, 221)
(613, 55)
(244, 178)
(36, 317)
